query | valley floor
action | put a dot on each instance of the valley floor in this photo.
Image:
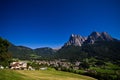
(40, 75)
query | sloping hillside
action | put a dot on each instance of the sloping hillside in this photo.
(40, 75)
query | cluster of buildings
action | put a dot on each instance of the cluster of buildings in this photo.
(61, 64)
(22, 65)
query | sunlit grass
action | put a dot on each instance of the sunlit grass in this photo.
(40, 75)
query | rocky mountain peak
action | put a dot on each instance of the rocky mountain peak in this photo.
(75, 40)
(95, 36)
(106, 36)
(78, 40)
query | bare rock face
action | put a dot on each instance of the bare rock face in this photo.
(75, 40)
(106, 36)
(95, 36)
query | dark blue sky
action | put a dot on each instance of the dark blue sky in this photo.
(40, 23)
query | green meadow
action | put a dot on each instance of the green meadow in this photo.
(40, 75)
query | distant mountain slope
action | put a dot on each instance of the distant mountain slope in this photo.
(103, 50)
(106, 50)
(20, 51)
(98, 45)
(46, 51)
(23, 52)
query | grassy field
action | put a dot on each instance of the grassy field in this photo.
(40, 75)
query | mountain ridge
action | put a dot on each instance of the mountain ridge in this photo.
(77, 40)
(81, 46)
(24, 52)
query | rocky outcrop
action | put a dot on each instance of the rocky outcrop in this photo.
(105, 36)
(75, 40)
(95, 36)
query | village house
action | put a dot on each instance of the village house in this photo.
(18, 65)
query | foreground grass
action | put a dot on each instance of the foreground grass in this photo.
(40, 75)
(11, 75)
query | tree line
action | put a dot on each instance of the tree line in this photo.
(5, 56)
